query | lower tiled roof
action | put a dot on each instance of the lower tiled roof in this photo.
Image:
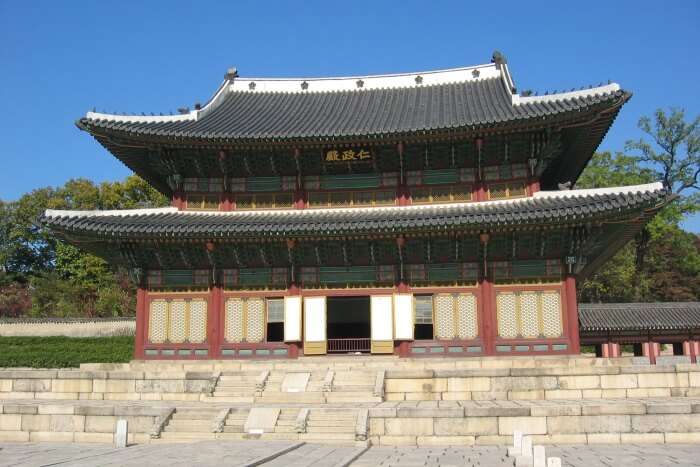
(560, 207)
(620, 317)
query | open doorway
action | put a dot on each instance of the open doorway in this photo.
(348, 321)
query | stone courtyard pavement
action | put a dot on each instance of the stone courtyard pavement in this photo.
(289, 454)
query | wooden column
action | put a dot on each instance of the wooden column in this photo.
(651, 350)
(178, 200)
(214, 318)
(487, 308)
(533, 186)
(141, 317)
(691, 348)
(572, 314)
(299, 193)
(480, 187)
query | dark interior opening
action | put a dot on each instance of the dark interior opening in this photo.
(275, 332)
(423, 332)
(677, 348)
(348, 317)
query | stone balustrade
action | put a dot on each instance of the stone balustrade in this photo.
(80, 423)
(443, 423)
(544, 383)
(104, 385)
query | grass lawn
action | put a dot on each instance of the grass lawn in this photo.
(62, 352)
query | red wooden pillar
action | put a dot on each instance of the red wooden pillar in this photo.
(691, 349)
(214, 313)
(610, 350)
(488, 316)
(178, 201)
(651, 350)
(572, 313)
(533, 186)
(141, 317)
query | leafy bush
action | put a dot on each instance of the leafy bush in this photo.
(63, 352)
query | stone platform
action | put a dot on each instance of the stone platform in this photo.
(358, 401)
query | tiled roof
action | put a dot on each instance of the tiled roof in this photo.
(544, 207)
(620, 317)
(270, 110)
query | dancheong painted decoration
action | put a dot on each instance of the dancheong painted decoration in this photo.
(421, 214)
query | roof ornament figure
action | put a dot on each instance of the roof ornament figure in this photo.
(498, 58)
(476, 73)
(251, 85)
(231, 74)
(419, 79)
(360, 83)
(564, 186)
(305, 85)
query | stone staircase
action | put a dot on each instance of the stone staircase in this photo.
(235, 421)
(236, 386)
(275, 393)
(187, 424)
(353, 386)
(335, 426)
(286, 422)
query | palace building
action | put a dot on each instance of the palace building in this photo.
(420, 214)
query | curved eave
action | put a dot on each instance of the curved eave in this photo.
(224, 126)
(546, 209)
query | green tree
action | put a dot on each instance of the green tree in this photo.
(63, 280)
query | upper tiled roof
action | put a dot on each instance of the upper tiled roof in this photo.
(621, 317)
(544, 207)
(371, 106)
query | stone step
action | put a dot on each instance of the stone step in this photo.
(233, 387)
(321, 415)
(330, 429)
(233, 393)
(353, 388)
(233, 428)
(337, 425)
(202, 414)
(188, 427)
(352, 397)
(331, 438)
(185, 436)
(293, 397)
(226, 398)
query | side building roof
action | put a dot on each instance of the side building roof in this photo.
(638, 317)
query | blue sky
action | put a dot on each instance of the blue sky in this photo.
(61, 59)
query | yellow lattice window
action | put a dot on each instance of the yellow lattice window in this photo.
(340, 199)
(441, 194)
(529, 314)
(177, 321)
(264, 201)
(244, 320)
(507, 190)
(202, 202)
(456, 316)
